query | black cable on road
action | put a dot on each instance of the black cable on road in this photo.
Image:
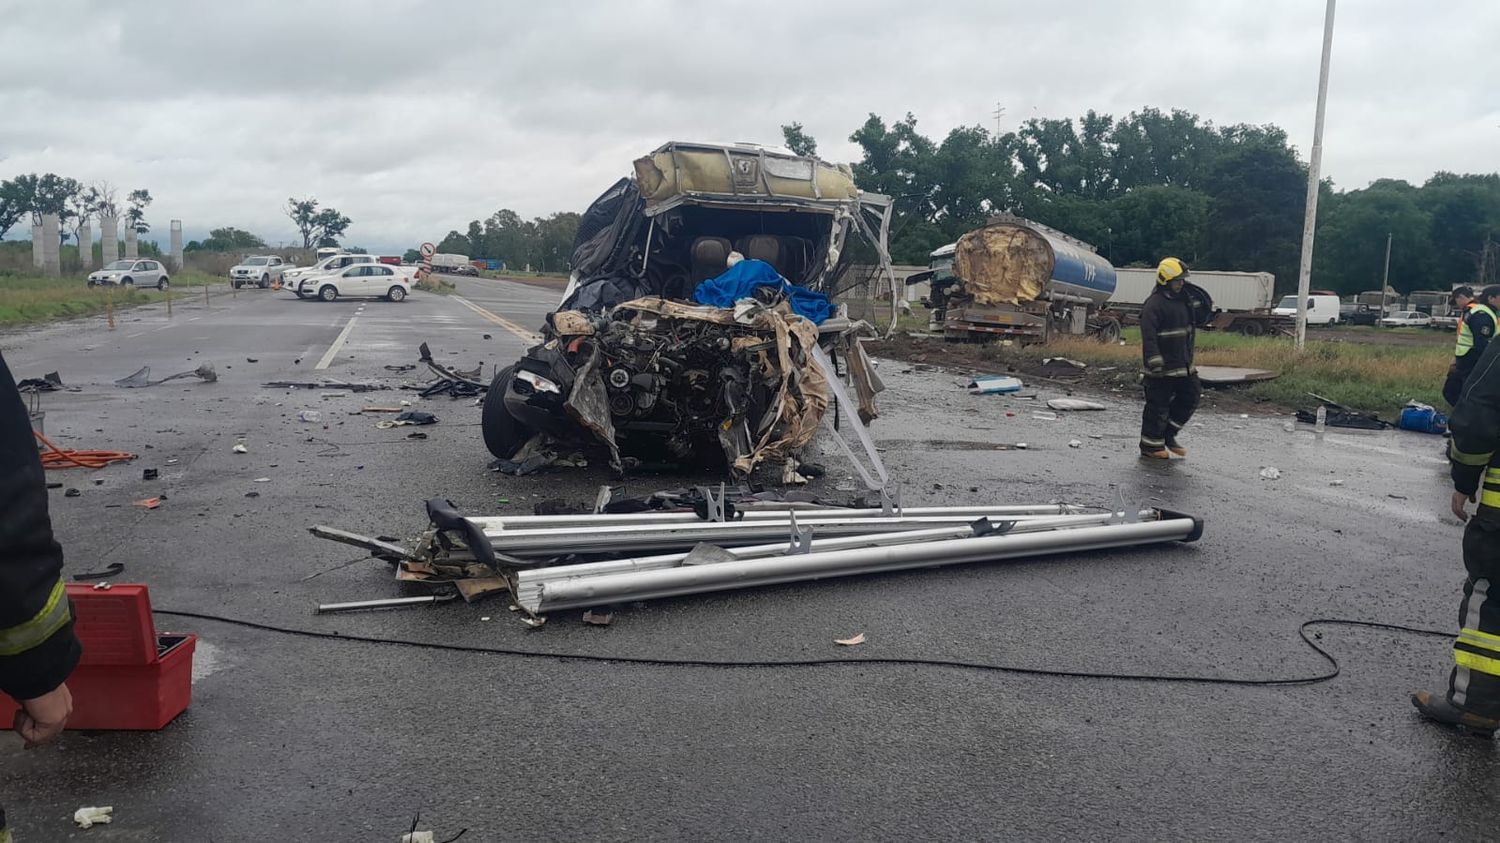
(1302, 630)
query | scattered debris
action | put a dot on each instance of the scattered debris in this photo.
(1074, 404)
(416, 434)
(337, 393)
(488, 337)
(54, 485)
(110, 570)
(240, 448)
(72, 493)
(148, 474)
(252, 359)
(403, 367)
(310, 416)
(407, 417)
(1228, 375)
(1270, 473)
(1043, 415)
(593, 618)
(380, 409)
(50, 382)
(1062, 369)
(994, 384)
(261, 480)
(252, 494)
(148, 503)
(851, 642)
(1421, 418)
(1397, 497)
(1335, 482)
(142, 377)
(90, 817)
(352, 387)
(1075, 443)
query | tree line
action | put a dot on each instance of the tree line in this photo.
(545, 243)
(1156, 183)
(74, 202)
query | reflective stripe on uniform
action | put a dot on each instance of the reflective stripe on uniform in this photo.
(1489, 494)
(1175, 424)
(1173, 332)
(32, 633)
(1473, 606)
(1155, 361)
(1467, 459)
(1160, 443)
(1480, 639)
(1474, 661)
(1175, 373)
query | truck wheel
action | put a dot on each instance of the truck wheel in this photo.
(1108, 331)
(1251, 328)
(328, 292)
(265, 281)
(503, 435)
(396, 293)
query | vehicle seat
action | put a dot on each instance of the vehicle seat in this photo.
(709, 257)
(763, 247)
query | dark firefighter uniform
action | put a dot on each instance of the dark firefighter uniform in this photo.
(1475, 330)
(37, 646)
(1473, 697)
(1170, 380)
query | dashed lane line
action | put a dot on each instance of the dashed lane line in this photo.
(521, 332)
(338, 344)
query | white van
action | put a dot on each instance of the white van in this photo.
(1321, 310)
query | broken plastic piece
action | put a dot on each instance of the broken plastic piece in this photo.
(593, 618)
(240, 448)
(1075, 443)
(994, 384)
(312, 416)
(90, 817)
(148, 503)
(851, 642)
(1074, 404)
(1270, 473)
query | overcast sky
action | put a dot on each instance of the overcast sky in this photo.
(413, 118)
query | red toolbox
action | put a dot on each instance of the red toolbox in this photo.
(130, 676)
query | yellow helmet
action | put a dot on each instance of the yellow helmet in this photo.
(1169, 269)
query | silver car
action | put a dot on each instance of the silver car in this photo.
(131, 273)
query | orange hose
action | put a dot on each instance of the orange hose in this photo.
(58, 458)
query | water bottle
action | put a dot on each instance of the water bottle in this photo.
(1322, 419)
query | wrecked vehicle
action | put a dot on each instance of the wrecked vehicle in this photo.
(631, 364)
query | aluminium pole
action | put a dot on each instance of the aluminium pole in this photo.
(1310, 217)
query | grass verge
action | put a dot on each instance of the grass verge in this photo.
(1367, 376)
(28, 300)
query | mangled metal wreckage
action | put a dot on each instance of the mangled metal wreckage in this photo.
(632, 365)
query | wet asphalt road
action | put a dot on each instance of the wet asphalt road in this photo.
(299, 739)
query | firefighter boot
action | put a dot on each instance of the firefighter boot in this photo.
(1155, 453)
(1438, 709)
(1175, 447)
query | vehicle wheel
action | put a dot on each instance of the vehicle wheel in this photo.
(298, 294)
(503, 435)
(162, 282)
(265, 281)
(328, 292)
(127, 282)
(1109, 332)
(1252, 329)
(93, 283)
(396, 293)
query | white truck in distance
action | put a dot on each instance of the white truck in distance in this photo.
(260, 270)
(1236, 291)
(303, 281)
(453, 264)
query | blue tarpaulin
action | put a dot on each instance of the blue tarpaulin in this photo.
(740, 281)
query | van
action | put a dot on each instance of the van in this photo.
(1321, 309)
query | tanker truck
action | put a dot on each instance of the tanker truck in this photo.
(1019, 280)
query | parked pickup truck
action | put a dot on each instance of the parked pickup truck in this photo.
(260, 270)
(303, 281)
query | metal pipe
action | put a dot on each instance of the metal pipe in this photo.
(534, 576)
(633, 537)
(508, 522)
(723, 576)
(392, 603)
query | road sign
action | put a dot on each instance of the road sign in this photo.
(428, 250)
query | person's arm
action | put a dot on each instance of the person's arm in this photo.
(1151, 355)
(38, 649)
(1482, 328)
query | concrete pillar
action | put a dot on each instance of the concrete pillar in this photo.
(36, 246)
(51, 245)
(132, 248)
(86, 247)
(109, 239)
(176, 245)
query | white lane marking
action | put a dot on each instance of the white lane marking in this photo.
(137, 334)
(523, 333)
(337, 344)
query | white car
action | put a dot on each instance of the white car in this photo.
(367, 280)
(1406, 319)
(131, 273)
(260, 270)
(303, 280)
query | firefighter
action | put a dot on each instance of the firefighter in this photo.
(1476, 326)
(1472, 700)
(1168, 329)
(37, 646)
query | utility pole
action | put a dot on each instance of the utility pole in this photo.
(1385, 277)
(1310, 219)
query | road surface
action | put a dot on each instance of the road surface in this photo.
(306, 739)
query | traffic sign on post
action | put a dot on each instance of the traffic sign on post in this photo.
(428, 250)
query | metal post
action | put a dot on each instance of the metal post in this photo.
(1310, 218)
(1385, 277)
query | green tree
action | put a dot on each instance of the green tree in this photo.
(412, 256)
(330, 226)
(227, 239)
(455, 244)
(135, 210)
(1465, 213)
(476, 240)
(1152, 222)
(13, 204)
(1257, 192)
(1351, 239)
(798, 140)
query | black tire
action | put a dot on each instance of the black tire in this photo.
(328, 292)
(396, 293)
(1252, 328)
(265, 281)
(503, 435)
(127, 282)
(236, 284)
(93, 283)
(1109, 332)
